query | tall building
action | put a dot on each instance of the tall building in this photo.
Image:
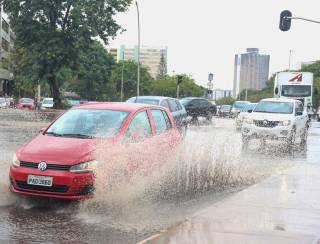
(251, 71)
(7, 38)
(153, 58)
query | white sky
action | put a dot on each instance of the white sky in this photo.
(204, 35)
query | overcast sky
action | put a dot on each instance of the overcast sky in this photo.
(203, 36)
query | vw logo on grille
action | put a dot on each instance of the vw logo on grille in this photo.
(265, 122)
(42, 166)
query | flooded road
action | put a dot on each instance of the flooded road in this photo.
(212, 167)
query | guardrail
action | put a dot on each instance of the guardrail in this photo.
(29, 116)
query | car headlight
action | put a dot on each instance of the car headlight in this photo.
(15, 161)
(248, 121)
(84, 167)
(285, 123)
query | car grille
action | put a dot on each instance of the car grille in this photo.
(49, 166)
(54, 188)
(266, 123)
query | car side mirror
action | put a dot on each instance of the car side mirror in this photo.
(250, 111)
(276, 90)
(42, 130)
(299, 113)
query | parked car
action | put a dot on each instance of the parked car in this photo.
(3, 102)
(225, 111)
(71, 103)
(47, 103)
(276, 119)
(237, 106)
(26, 103)
(61, 161)
(175, 107)
(243, 114)
(199, 107)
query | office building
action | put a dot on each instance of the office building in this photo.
(251, 71)
(151, 57)
(7, 38)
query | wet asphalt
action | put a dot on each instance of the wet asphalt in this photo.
(128, 219)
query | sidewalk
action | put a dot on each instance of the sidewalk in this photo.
(281, 209)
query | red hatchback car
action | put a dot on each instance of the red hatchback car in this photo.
(26, 103)
(60, 162)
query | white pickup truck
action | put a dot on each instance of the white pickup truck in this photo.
(276, 119)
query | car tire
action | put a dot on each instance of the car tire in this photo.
(292, 139)
(245, 142)
(209, 116)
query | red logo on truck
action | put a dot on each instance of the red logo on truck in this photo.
(297, 78)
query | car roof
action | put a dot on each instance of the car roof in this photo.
(192, 98)
(278, 100)
(154, 97)
(120, 106)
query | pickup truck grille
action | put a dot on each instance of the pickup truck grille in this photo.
(266, 123)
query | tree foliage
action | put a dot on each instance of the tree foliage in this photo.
(225, 101)
(168, 87)
(52, 32)
(129, 79)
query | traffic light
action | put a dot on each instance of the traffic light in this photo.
(285, 20)
(180, 79)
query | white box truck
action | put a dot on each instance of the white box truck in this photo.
(295, 85)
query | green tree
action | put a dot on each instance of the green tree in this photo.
(162, 75)
(92, 78)
(168, 87)
(225, 101)
(130, 79)
(52, 32)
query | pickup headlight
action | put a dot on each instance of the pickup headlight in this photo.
(248, 121)
(15, 161)
(84, 167)
(285, 123)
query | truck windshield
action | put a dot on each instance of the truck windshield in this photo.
(296, 91)
(274, 107)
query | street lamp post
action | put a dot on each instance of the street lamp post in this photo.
(138, 74)
(290, 55)
(122, 77)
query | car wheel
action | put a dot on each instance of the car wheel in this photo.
(292, 139)
(209, 116)
(245, 142)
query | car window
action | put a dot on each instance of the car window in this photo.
(196, 102)
(173, 105)
(179, 104)
(169, 125)
(160, 121)
(165, 104)
(204, 103)
(299, 107)
(140, 125)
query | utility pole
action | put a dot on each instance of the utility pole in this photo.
(290, 55)
(139, 40)
(179, 80)
(122, 77)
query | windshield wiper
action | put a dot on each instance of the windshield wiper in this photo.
(78, 136)
(53, 134)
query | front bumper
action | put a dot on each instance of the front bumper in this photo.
(66, 185)
(276, 133)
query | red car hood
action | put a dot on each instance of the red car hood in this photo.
(57, 150)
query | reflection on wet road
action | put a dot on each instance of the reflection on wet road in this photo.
(214, 166)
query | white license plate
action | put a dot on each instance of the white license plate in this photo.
(38, 180)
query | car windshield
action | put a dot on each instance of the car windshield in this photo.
(87, 124)
(47, 101)
(225, 107)
(274, 107)
(26, 100)
(296, 91)
(240, 105)
(145, 101)
(185, 101)
(250, 106)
